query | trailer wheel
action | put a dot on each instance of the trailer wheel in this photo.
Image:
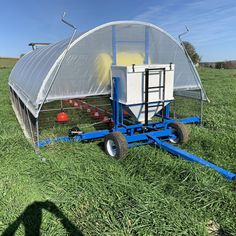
(116, 145)
(180, 131)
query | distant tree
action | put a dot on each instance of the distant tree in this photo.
(219, 65)
(228, 65)
(224, 65)
(192, 52)
(22, 54)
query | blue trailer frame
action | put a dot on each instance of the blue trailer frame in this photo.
(157, 133)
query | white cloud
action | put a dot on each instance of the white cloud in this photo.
(210, 21)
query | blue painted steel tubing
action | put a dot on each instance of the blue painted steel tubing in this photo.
(190, 157)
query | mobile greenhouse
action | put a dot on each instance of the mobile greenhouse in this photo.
(131, 76)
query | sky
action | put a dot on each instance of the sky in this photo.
(211, 23)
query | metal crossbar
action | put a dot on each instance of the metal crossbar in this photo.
(147, 89)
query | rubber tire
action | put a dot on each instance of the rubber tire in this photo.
(120, 143)
(181, 130)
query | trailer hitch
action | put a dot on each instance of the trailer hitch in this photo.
(190, 157)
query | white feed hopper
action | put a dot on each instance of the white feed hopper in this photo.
(132, 88)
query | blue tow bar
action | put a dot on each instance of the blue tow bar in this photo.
(190, 157)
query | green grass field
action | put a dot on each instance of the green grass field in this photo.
(75, 189)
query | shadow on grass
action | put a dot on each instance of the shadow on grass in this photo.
(100, 144)
(31, 218)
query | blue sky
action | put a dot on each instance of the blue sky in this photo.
(212, 23)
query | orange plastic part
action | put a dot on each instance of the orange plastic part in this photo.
(62, 117)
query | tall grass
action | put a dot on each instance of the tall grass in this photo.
(76, 187)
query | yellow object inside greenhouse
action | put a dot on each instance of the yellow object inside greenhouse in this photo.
(104, 62)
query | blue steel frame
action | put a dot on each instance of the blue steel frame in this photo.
(156, 133)
(113, 45)
(146, 61)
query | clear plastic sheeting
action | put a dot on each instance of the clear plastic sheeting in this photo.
(85, 70)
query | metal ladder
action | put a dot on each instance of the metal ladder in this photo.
(161, 87)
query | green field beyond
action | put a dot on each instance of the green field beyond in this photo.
(75, 189)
